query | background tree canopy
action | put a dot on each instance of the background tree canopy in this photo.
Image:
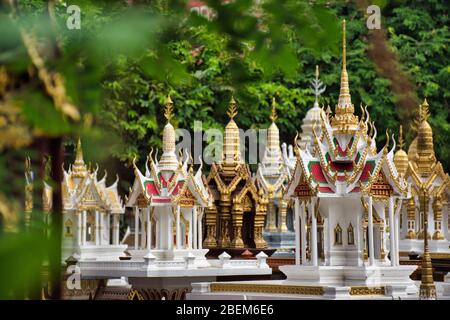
(213, 62)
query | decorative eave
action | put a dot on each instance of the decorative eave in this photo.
(293, 182)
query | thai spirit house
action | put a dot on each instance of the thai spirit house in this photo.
(236, 217)
(351, 186)
(272, 177)
(168, 203)
(91, 213)
(427, 177)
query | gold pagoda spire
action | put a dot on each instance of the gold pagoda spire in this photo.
(427, 287)
(79, 167)
(273, 115)
(425, 157)
(344, 118)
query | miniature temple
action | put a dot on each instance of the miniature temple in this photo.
(426, 176)
(168, 204)
(272, 177)
(350, 188)
(235, 220)
(91, 213)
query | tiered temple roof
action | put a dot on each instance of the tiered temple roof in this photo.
(81, 187)
(169, 180)
(345, 158)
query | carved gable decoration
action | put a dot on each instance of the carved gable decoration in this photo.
(380, 187)
(187, 199)
(303, 190)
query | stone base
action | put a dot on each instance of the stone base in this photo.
(100, 252)
(323, 282)
(280, 240)
(174, 255)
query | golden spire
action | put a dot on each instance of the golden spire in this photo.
(79, 152)
(427, 287)
(425, 157)
(273, 115)
(232, 109)
(344, 118)
(79, 167)
(168, 109)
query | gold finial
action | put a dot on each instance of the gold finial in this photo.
(79, 151)
(317, 72)
(168, 109)
(400, 138)
(232, 110)
(273, 116)
(424, 110)
(344, 48)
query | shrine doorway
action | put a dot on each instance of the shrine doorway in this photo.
(248, 223)
(90, 226)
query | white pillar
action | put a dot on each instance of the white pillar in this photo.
(149, 228)
(101, 223)
(83, 237)
(392, 231)
(370, 226)
(200, 230)
(157, 234)
(303, 224)
(178, 229)
(397, 233)
(136, 228)
(96, 229)
(194, 225)
(141, 215)
(326, 239)
(79, 226)
(297, 231)
(117, 224)
(190, 231)
(314, 253)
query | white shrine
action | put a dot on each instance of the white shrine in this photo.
(273, 177)
(168, 203)
(91, 213)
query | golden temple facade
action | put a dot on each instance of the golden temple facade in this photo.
(236, 218)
